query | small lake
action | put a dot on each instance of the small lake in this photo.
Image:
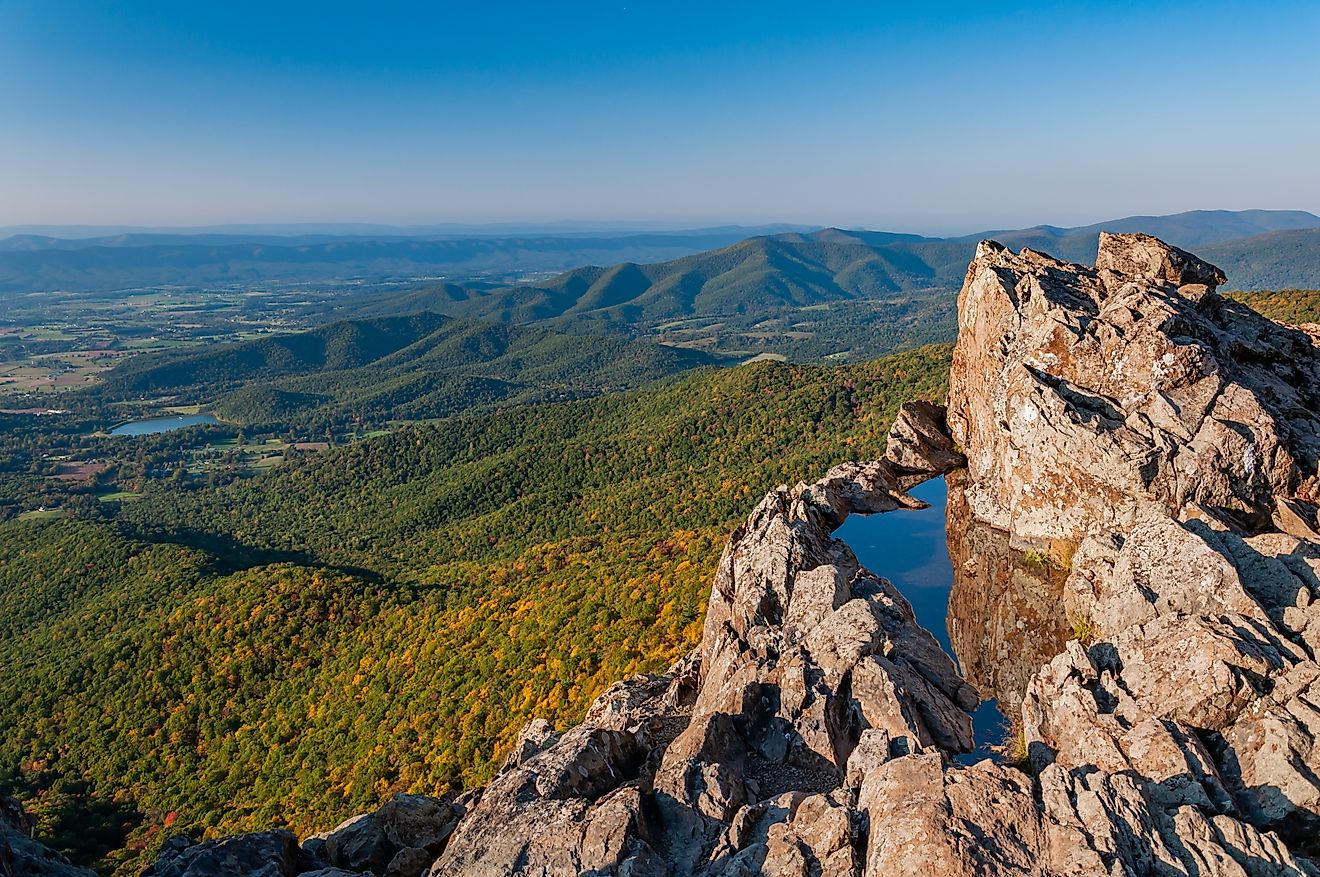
(153, 425)
(910, 549)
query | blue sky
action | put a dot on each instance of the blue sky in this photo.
(918, 116)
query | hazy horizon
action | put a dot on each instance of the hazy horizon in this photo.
(548, 227)
(939, 119)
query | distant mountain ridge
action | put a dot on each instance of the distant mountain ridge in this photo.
(803, 270)
(568, 228)
(29, 264)
(793, 267)
(755, 275)
(1193, 228)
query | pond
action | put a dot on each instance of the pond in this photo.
(910, 549)
(153, 425)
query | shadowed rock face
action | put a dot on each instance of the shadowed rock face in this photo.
(1006, 618)
(20, 854)
(1140, 471)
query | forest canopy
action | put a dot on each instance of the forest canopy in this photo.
(385, 616)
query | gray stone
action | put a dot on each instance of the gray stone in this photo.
(260, 854)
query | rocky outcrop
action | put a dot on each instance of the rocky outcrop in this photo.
(401, 839)
(1158, 445)
(811, 669)
(260, 854)
(919, 440)
(1088, 400)
(1136, 538)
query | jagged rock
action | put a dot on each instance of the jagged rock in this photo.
(410, 862)
(1169, 440)
(1081, 401)
(1272, 752)
(260, 854)
(536, 737)
(919, 439)
(539, 813)
(1131, 257)
(926, 817)
(804, 655)
(803, 650)
(874, 748)
(923, 819)
(793, 613)
(14, 819)
(401, 839)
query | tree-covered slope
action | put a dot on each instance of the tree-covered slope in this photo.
(341, 345)
(1290, 306)
(291, 649)
(1277, 260)
(418, 366)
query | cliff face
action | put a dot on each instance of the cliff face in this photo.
(1160, 445)
(1154, 449)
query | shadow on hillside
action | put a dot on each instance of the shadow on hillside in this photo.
(230, 555)
(73, 819)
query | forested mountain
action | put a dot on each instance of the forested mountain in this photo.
(414, 367)
(341, 345)
(385, 616)
(754, 276)
(1277, 260)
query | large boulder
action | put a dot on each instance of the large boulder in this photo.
(1083, 398)
(401, 839)
(919, 440)
(568, 803)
